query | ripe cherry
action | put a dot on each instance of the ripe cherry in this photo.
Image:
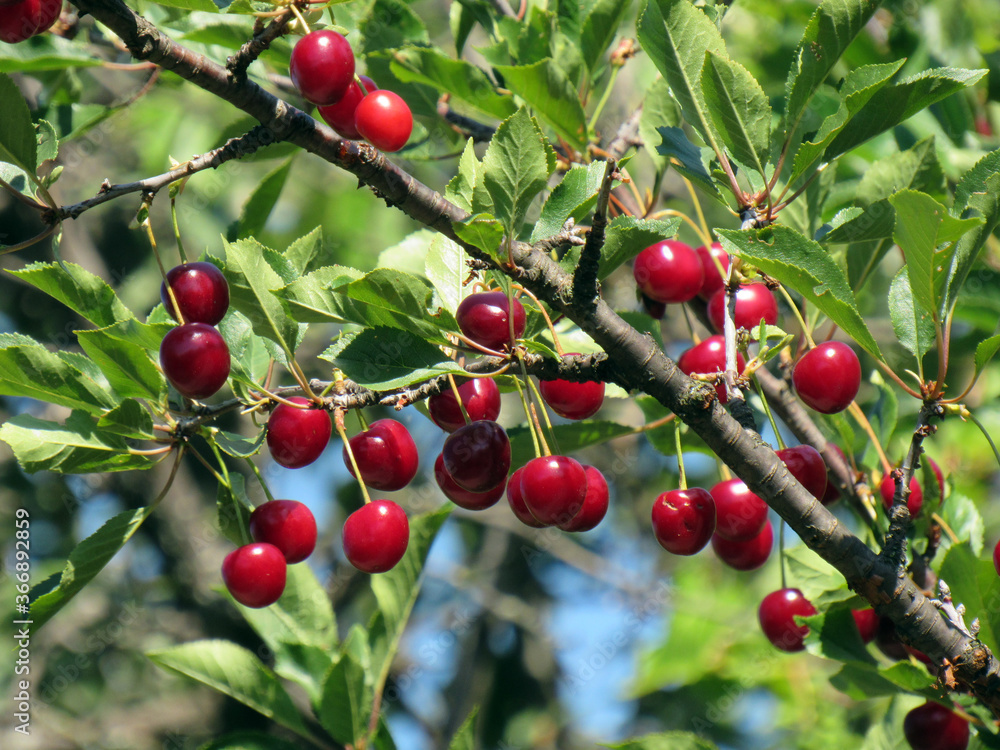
(832, 493)
(477, 455)
(322, 66)
(867, 622)
(255, 574)
(684, 520)
(340, 114)
(777, 618)
(375, 536)
(27, 18)
(288, 525)
(297, 437)
(934, 727)
(386, 455)
(806, 464)
(483, 317)
(748, 555)
(753, 302)
(384, 120)
(669, 271)
(516, 501)
(462, 497)
(595, 503)
(572, 400)
(481, 398)
(827, 377)
(996, 558)
(709, 357)
(554, 488)
(195, 359)
(201, 291)
(714, 280)
(740, 514)
(887, 488)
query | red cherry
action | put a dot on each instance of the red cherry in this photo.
(740, 514)
(832, 493)
(288, 525)
(572, 400)
(595, 503)
(915, 501)
(777, 618)
(827, 378)
(714, 281)
(375, 536)
(669, 271)
(28, 18)
(195, 359)
(481, 398)
(386, 455)
(322, 66)
(385, 120)
(462, 497)
(753, 302)
(748, 555)
(708, 357)
(255, 574)
(684, 520)
(340, 114)
(516, 501)
(934, 727)
(867, 622)
(996, 558)
(806, 464)
(297, 437)
(483, 318)
(201, 291)
(477, 456)
(554, 488)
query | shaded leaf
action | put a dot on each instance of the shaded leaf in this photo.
(914, 327)
(482, 231)
(834, 635)
(249, 741)
(599, 29)
(346, 702)
(18, 145)
(465, 736)
(128, 419)
(692, 162)
(576, 193)
(261, 203)
(977, 194)
(659, 110)
(459, 78)
(570, 438)
(386, 358)
(627, 236)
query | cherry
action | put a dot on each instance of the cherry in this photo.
(653, 308)
(554, 488)
(827, 377)
(572, 400)
(934, 727)
(714, 281)
(297, 437)
(516, 501)
(462, 497)
(806, 464)
(201, 291)
(867, 622)
(709, 357)
(477, 455)
(996, 558)
(27, 18)
(255, 574)
(748, 555)
(481, 398)
(483, 317)
(375, 536)
(915, 501)
(832, 493)
(684, 520)
(195, 359)
(595, 503)
(386, 455)
(669, 271)
(753, 302)
(740, 514)
(888, 642)
(340, 114)
(322, 66)
(384, 119)
(288, 525)
(777, 618)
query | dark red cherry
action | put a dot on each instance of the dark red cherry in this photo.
(297, 437)
(27, 18)
(832, 493)
(481, 398)
(753, 302)
(477, 455)
(384, 120)
(375, 536)
(386, 455)
(195, 359)
(867, 622)
(887, 488)
(516, 501)
(740, 514)
(708, 357)
(996, 558)
(827, 377)
(684, 520)
(255, 574)
(340, 114)
(669, 271)
(714, 280)
(554, 488)
(934, 727)
(201, 291)
(572, 400)
(322, 66)
(595, 503)
(806, 464)
(653, 308)
(483, 317)
(462, 497)
(776, 615)
(287, 524)
(748, 555)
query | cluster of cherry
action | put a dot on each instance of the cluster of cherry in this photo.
(23, 19)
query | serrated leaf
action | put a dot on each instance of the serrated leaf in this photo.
(692, 162)
(549, 92)
(261, 202)
(81, 291)
(599, 29)
(576, 193)
(128, 419)
(569, 437)
(859, 680)
(313, 299)
(461, 187)
(48, 141)
(482, 231)
(739, 108)
(248, 356)
(446, 268)
(17, 138)
(977, 194)
(205, 6)
(985, 351)
(386, 297)
(30, 370)
(659, 110)
(914, 327)
(665, 741)
(391, 24)
(307, 252)
(386, 358)
(807, 268)
(627, 236)
(128, 367)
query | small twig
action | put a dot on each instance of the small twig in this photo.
(585, 277)
(262, 37)
(479, 132)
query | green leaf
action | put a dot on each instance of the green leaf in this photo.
(86, 560)
(914, 327)
(81, 291)
(386, 358)
(47, 52)
(834, 635)
(127, 366)
(249, 741)
(553, 97)
(386, 297)
(989, 590)
(807, 268)
(665, 741)
(18, 145)
(692, 162)
(238, 446)
(482, 231)
(985, 351)
(963, 572)
(308, 252)
(884, 413)
(462, 186)
(659, 110)
(819, 581)
(570, 437)
(346, 702)
(261, 203)
(465, 736)
(248, 356)
(575, 194)
(205, 6)
(391, 24)
(599, 29)
(446, 268)
(48, 141)
(739, 109)
(236, 672)
(859, 680)
(959, 512)
(313, 298)
(128, 419)
(627, 236)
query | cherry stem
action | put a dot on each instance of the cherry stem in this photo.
(361, 420)
(458, 398)
(545, 412)
(527, 414)
(964, 413)
(260, 478)
(705, 237)
(770, 416)
(479, 347)
(656, 423)
(280, 400)
(177, 227)
(227, 483)
(338, 420)
(148, 224)
(695, 338)
(548, 320)
(862, 420)
(361, 85)
(798, 316)
(301, 379)
(682, 475)
(48, 232)
(298, 15)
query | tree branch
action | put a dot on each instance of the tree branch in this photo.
(585, 287)
(251, 50)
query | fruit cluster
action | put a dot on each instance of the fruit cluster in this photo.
(23, 19)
